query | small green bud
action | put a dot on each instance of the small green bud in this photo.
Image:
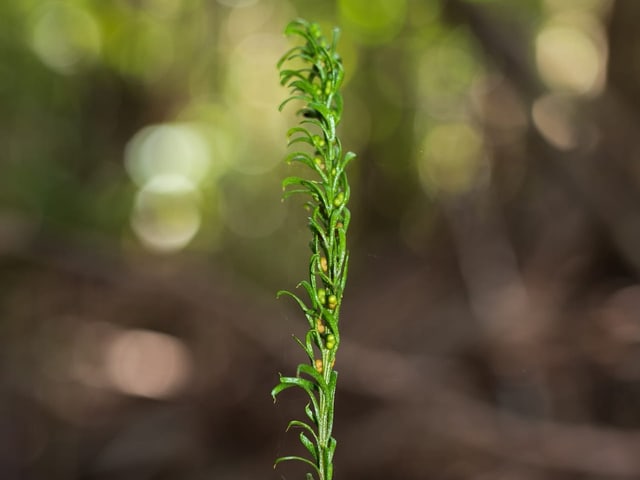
(322, 296)
(332, 302)
(318, 141)
(314, 29)
(338, 200)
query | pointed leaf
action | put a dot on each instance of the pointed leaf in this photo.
(304, 426)
(307, 348)
(291, 98)
(310, 414)
(300, 303)
(309, 445)
(299, 459)
(313, 373)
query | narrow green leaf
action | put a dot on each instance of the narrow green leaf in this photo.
(347, 158)
(304, 426)
(302, 98)
(306, 347)
(309, 445)
(296, 458)
(313, 373)
(310, 414)
(300, 303)
(287, 55)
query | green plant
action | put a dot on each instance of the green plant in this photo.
(316, 83)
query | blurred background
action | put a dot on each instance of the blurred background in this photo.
(491, 327)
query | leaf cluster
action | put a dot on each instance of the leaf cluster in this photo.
(316, 85)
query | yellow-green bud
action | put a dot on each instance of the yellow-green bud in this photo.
(322, 296)
(332, 301)
(323, 264)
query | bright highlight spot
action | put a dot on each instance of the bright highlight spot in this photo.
(554, 117)
(65, 36)
(451, 160)
(373, 21)
(147, 364)
(171, 149)
(569, 60)
(166, 214)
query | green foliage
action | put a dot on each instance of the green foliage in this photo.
(317, 85)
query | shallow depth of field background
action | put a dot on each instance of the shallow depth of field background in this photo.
(491, 328)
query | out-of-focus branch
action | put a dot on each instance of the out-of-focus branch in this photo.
(420, 402)
(594, 177)
(417, 397)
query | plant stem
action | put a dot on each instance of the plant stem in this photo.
(317, 85)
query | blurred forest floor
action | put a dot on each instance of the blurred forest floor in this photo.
(491, 327)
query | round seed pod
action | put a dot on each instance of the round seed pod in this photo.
(332, 302)
(323, 264)
(318, 365)
(330, 342)
(322, 296)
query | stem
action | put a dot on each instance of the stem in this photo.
(318, 86)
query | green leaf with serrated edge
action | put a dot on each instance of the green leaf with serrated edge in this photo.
(308, 444)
